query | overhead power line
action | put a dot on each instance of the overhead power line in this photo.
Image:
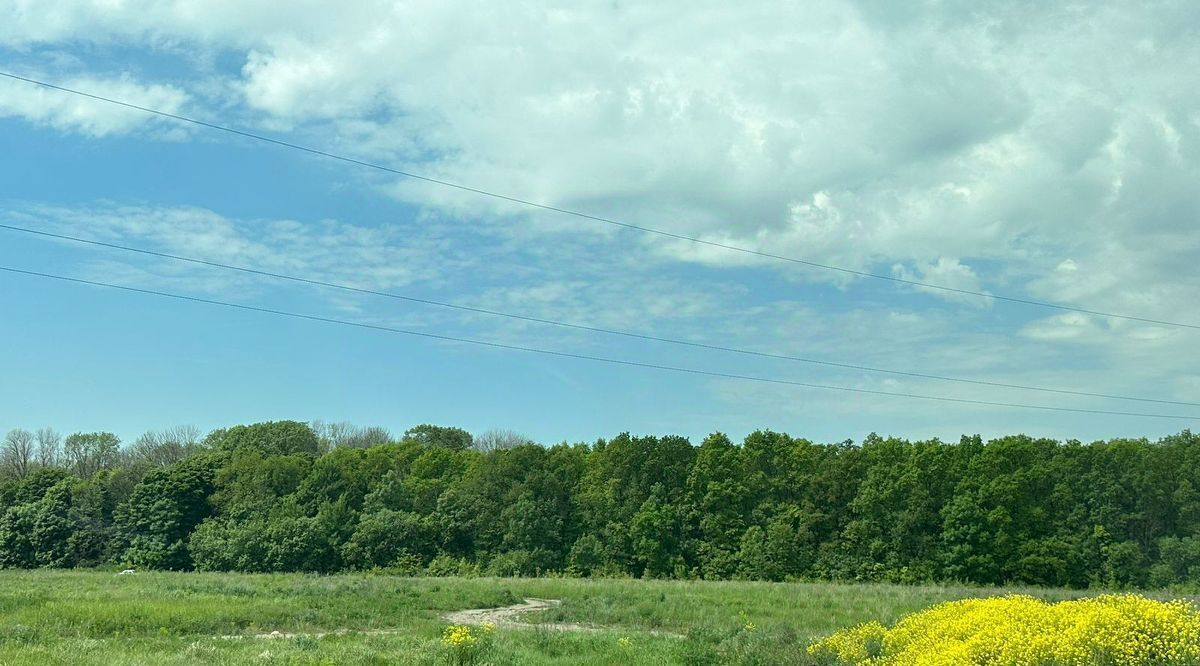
(585, 357)
(598, 218)
(581, 327)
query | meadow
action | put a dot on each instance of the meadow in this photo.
(653, 550)
(99, 617)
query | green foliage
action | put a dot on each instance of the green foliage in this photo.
(269, 438)
(386, 538)
(719, 505)
(257, 498)
(37, 534)
(455, 439)
(153, 526)
(86, 453)
(587, 557)
(654, 534)
(32, 487)
(222, 545)
(251, 483)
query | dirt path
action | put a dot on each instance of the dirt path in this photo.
(315, 634)
(509, 616)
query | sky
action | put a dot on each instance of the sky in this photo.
(1038, 150)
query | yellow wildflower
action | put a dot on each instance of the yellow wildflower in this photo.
(459, 636)
(1115, 629)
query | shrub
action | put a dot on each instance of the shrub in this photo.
(446, 566)
(514, 563)
(1114, 629)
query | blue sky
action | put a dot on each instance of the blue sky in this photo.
(1001, 149)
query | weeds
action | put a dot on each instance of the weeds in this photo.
(94, 618)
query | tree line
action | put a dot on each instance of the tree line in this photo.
(291, 496)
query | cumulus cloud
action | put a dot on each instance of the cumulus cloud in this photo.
(946, 272)
(1068, 326)
(847, 132)
(92, 117)
(1041, 150)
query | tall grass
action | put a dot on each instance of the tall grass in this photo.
(92, 617)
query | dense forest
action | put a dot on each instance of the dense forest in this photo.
(290, 496)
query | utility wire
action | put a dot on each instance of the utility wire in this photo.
(598, 218)
(581, 327)
(586, 357)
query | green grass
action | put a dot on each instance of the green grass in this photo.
(94, 617)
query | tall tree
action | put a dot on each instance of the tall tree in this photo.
(17, 455)
(160, 448)
(86, 453)
(270, 437)
(455, 439)
(498, 439)
(49, 444)
(154, 525)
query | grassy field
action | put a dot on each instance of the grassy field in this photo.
(93, 617)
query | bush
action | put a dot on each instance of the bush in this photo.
(513, 564)
(446, 566)
(385, 537)
(1115, 629)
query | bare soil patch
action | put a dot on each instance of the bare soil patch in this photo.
(510, 616)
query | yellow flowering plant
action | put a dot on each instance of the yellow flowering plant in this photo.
(464, 644)
(747, 625)
(1122, 629)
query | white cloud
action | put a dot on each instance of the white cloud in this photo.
(377, 258)
(430, 259)
(1068, 326)
(945, 272)
(71, 113)
(1046, 151)
(843, 132)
